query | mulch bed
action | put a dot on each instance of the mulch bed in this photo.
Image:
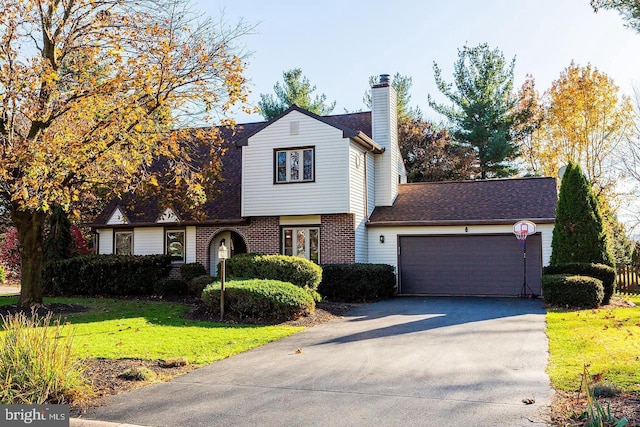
(42, 310)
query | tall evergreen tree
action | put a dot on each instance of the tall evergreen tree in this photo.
(579, 234)
(295, 89)
(486, 113)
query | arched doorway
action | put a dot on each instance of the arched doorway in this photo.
(232, 240)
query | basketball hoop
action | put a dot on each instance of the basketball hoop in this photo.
(522, 229)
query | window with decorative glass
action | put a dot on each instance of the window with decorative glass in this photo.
(175, 245)
(123, 243)
(294, 165)
(302, 241)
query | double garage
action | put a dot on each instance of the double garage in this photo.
(464, 264)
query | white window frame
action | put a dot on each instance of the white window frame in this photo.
(116, 233)
(289, 178)
(169, 247)
(294, 250)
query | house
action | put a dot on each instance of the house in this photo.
(333, 190)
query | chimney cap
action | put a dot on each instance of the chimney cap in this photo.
(383, 81)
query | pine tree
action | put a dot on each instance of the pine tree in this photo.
(579, 234)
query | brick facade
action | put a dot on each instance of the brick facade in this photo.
(337, 239)
(262, 235)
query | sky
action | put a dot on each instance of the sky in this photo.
(339, 44)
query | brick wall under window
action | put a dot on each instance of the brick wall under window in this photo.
(337, 239)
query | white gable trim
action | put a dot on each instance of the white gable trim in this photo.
(168, 216)
(117, 217)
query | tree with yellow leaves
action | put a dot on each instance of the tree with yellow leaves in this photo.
(92, 92)
(584, 121)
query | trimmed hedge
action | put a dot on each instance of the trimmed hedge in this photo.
(170, 286)
(191, 270)
(265, 300)
(575, 291)
(357, 282)
(298, 271)
(197, 284)
(602, 272)
(112, 275)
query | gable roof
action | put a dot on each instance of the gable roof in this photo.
(356, 126)
(497, 201)
(226, 202)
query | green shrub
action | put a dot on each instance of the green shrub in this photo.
(574, 291)
(191, 270)
(241, 265)
(37, 364)
(298, 271)
(600, 271)
(357, 282)
(266, 300)
(3, 274)
(170, 286)
(112, 275)
(197, 284)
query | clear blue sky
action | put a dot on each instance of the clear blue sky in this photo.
(339, 44)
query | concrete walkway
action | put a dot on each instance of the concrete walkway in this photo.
(406, 361)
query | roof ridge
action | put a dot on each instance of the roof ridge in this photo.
(475, 181)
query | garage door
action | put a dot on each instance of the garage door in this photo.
(487, 265)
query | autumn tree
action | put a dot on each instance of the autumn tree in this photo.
(484, 109)
(585, 121)
(629, 9)
(295, 89)
(91, 92)
(429, 154)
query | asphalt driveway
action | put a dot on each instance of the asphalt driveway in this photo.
(405, 361)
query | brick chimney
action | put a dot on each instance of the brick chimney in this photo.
(384, 118)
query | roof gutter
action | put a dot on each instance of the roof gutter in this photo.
(362, 139)
(456, 222)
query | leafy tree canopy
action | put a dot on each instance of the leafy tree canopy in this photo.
(485, 112)
(402, 85)
(91, 92)
(430, 154)
(629, 9)
(295, 89)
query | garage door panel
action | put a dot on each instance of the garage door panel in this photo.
(468, 265)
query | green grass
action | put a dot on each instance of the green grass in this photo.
(608, 341)
(120, 329)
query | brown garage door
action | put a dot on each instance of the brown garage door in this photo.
(488, 265)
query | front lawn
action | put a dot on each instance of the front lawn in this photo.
(151, 330)
(607, 340)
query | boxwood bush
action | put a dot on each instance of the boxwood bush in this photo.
(111, 275)
(298, 271)
(574, 291)
(603, 272)
(357, 282)
(265, 300)
(192, 269)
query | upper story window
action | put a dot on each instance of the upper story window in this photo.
(294, 165)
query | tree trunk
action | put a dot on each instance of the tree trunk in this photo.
(30, 226)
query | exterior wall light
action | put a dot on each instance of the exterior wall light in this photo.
(382, 238)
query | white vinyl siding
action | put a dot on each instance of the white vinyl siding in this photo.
(387, 252)
(328, 194)
(357, 200)
(148, 241)
(191, 244)
(384, 125)
(105, 241)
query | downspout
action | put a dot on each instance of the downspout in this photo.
(366, 189)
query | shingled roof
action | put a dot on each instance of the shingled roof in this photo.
(499, 201)
(224, 206)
